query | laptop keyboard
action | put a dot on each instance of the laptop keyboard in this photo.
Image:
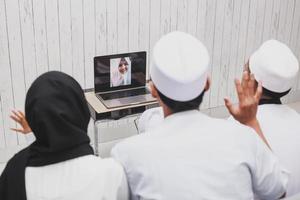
(123, 94)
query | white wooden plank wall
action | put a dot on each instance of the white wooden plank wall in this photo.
(41, 35)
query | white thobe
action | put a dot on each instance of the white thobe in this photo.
(193, 156)
(88, 177)
(281, 127)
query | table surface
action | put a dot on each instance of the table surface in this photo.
(99, 107)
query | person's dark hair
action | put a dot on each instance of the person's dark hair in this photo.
(179, 106)
(274, 95)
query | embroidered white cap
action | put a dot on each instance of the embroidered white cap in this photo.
(275, 65)
(179, 68)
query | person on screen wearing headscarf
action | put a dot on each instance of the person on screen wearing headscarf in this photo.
(276, 66)
(60, 163)
(193, 156)
(120, 75)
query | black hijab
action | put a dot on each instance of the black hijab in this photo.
(57, 113)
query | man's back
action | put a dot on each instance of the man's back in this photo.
(281, 126)
(86, 177)
(193, 156)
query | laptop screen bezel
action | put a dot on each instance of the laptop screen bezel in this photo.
(107, 88)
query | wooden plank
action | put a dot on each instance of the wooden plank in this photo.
(294, 36)
(101, 27)
(210, 19)
(144, 29)
(217, 53)
(112, 28)
(28, 41)
(285, 25)
(165, 17)
(77, 41)
(64, 13)
(144, 19)
(281, 32)
(53, 34)
(134, 15)
(242, 38)
(267, 20)
(289, 21)
(250, 41)
(234, 50)
(6, 90)
(182, 15)
(123, 28)
(154, 28)
(275, 19)
(192, 17)
(295, 26)
(89, 41)
(201, 21)
(9, 152)
(289, 32)
(40, 33)
(174, 15)
(16, 55)
(29, 50)
(297, 50)
(259, 26)
(225, 53)
(2, 130)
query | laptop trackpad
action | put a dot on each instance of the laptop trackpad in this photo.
(133, 100)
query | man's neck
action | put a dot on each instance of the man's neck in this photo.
(167, 111)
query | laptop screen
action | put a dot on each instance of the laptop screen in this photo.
(120, 71)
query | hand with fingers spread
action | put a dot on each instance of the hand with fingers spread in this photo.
(245, 111)
(19, 117)
(248, 95)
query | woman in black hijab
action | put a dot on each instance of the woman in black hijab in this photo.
(58, 115)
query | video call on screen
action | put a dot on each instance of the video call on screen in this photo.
(120, 71)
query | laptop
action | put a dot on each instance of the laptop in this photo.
(120, 79)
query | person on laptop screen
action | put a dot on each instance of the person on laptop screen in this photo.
(120, 72)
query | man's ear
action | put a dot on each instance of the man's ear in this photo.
(208, 83)
(153, 90)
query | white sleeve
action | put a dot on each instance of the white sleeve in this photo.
(122, 158)
(123, 191)
(150, 118)
(269, 179)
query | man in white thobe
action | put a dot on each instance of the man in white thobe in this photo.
(191, 155)
(275, 65)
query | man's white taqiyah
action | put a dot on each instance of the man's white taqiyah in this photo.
(275, 65)
(180, 65)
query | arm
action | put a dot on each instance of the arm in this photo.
(122, 158)
(269, 178)
(123, 191)
(255, 125)
(245, 111)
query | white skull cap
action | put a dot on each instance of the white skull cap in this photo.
(275, 65)
(179, 68)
